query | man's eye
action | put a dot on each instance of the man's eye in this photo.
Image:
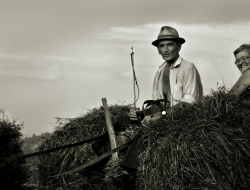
(170, 45)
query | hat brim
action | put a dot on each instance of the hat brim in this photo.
(180, 40)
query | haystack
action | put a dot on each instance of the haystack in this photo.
(202, 146)
(89, 125)
(205, 146)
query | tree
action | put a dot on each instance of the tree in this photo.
(31, 144)
(14, 174)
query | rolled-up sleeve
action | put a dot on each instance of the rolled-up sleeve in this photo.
(192, 86)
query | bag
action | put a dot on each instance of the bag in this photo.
(155, 110)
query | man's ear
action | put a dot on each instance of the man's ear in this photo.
(179, 47)
(158, 50)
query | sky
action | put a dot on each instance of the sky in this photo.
(59, 58)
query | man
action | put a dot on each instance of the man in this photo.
(176, 81)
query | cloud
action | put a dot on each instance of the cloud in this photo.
(29, 56)
(15, 57)
(60, 59)
(52, 73)
(133, 33)
(237, 31)
(34, 65)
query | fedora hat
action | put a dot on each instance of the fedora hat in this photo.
(168, 33)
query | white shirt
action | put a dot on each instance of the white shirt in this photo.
(185, 82)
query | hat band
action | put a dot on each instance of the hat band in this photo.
(167, 36)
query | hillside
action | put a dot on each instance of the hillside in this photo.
(29, 143)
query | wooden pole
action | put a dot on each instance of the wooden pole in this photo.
(132, 61)
(110, 128)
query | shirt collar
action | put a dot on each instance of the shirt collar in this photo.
(177, 62)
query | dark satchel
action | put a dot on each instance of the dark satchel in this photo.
(154, 106)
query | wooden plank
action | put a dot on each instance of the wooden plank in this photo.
(12, 158)
(96, 159)
(110, 127)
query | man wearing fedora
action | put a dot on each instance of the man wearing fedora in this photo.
(176, 81)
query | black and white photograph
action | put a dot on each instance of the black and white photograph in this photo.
(125, 95)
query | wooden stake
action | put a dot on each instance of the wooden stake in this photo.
(110, 128)
(132, 61)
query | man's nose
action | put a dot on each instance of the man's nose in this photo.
(165, 49)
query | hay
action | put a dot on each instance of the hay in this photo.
(113, 167)
(89, 125)
(204, 146)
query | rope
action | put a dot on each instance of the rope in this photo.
(135, 80)
(136, 85)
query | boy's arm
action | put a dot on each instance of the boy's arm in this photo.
(242, 84)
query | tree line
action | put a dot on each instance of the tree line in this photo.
(17, 174)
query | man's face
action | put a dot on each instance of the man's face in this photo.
(169, 50)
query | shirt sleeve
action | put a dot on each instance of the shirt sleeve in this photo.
(192, 87)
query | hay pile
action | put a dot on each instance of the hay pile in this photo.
(87, 126)
(204, 146)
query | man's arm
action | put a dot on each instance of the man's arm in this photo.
(242, 84)
(170, 110)
(192, 86)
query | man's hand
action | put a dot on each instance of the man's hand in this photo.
(169, 110)
(134, 115)
(153, 117)
(156, 116)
